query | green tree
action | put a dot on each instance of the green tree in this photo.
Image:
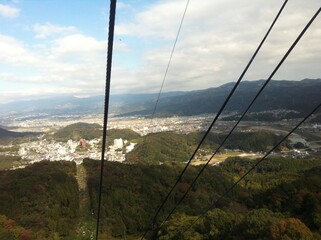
(218, 224)
(257, 223)
(176, 228)
(290, 229)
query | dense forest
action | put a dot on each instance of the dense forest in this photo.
(133, 192)
(280, 199)
(39, 202)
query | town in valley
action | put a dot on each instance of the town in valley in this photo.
(43, 148)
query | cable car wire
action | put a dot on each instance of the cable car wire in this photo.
(216, 117)
(166, 70)
(170, 60)
(112, 14)
(250, 105)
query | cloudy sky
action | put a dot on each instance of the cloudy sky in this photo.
(59, 47)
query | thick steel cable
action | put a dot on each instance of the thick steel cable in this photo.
(112, 14)
(240, 119)
(252, 168)
(217, 115)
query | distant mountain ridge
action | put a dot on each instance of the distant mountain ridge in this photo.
(55, 105)
(293, 97)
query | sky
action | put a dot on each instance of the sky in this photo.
(58, 47)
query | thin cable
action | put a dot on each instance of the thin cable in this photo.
(166, 71)
(170, 60)
(165, 75)
(112, 14)
(252, 168)
(168, 65)
(218, 114)
(240, 119)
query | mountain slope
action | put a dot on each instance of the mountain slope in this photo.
(6, 134)
(299, 96)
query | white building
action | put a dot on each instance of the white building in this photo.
(118, 143)
(22, 152)
(130, 147)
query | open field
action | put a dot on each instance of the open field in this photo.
(220, 157)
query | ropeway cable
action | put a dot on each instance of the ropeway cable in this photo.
(170, 60)
(112, 14)
(216, 117)
(166, 72)
(254, 99)
(107, 90)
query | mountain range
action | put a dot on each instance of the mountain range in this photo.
(291, 98)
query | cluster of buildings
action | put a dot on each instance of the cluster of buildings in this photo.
(57, 151)
(117, 152)
(145, 126)
(73, 150)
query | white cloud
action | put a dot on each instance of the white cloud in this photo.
(36, 93)
(216, 42)
(15, 52)
(159, 20)
(31, 79)
(7, 11)
(78, 43)
(48, 29)
(67, 62)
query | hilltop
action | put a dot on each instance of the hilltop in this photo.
(77, 131)
(90, 131)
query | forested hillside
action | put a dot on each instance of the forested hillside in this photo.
(42, 198)
(132, 193)
(171, 146)
(280, 199)
(77, 131)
